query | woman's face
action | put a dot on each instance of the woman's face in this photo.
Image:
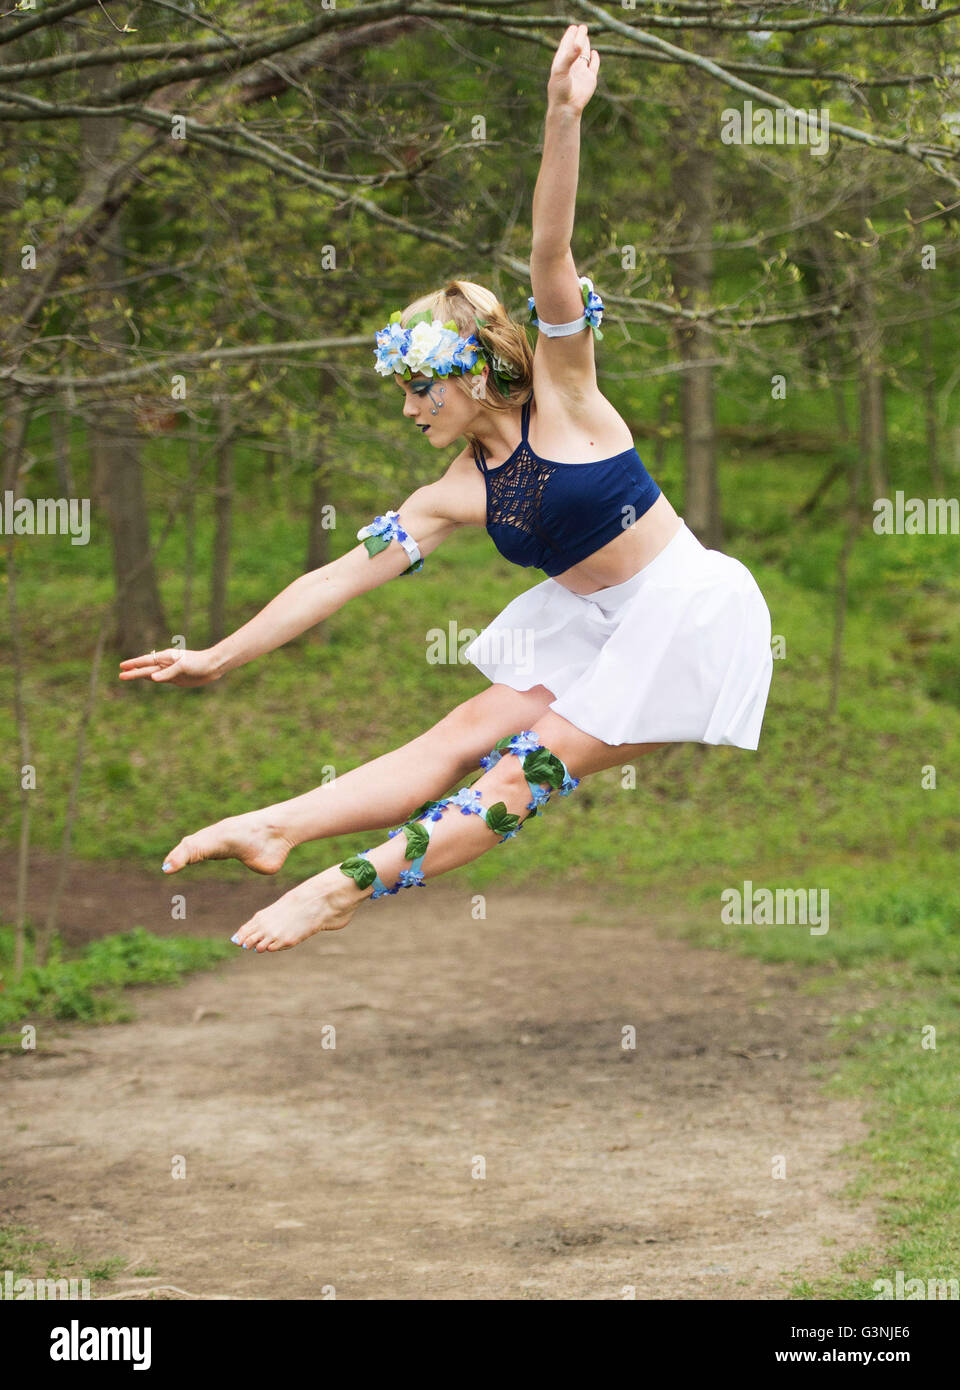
(455, 411)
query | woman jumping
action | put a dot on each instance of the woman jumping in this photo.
(638, 637)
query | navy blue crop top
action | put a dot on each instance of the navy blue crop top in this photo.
(553, 515)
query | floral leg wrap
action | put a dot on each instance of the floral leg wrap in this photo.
(539, 766)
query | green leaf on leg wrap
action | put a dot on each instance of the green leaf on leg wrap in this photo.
(359, 869)
(417, 840)
(543, 766)
(500, 820)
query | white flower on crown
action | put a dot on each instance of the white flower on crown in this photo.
(425, 340)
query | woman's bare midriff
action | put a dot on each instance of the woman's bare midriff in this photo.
(621, 558)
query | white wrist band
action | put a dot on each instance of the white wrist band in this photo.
(561, 330)
(410, 546)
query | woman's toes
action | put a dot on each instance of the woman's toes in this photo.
(185, 853)
(260, 847)
(192, 849)
(251, 934)
(242, 936)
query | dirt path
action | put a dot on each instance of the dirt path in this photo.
(352, 1167)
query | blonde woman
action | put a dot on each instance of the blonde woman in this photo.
(639, 636)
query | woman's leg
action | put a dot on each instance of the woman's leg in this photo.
(381, 793)
(328, 901)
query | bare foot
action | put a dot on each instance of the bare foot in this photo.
(250, 838)
(325, 902)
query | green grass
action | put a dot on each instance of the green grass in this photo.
(892, 944)
(829, 804)
(28, 1256)
(88, 986)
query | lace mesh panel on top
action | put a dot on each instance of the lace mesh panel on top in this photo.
(515, 493)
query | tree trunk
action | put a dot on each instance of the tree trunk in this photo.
(189, 537)
(60, 439)
(856, 467)
(223, 521)
(871, 398)
(930, 389)
(694, 191)
(114, 452)
(868, 339)
(15, 421)
(318, 536)
(823, 278)
(660, 439)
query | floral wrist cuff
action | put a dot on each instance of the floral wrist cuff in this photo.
(381, 531)
(592, 315)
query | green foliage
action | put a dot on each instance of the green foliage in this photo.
(29, 1256)
(87, 986)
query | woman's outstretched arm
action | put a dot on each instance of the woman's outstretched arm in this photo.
(309, 599)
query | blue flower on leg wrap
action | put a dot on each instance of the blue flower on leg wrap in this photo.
(498, 819)
(539, 765)
(359, 868)
(501, 821)
(468, 799)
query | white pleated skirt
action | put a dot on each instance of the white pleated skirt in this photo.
(680, 652)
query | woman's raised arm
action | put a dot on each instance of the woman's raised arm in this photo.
(572, 82)
(566, 362)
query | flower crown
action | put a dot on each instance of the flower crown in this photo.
(436, 349)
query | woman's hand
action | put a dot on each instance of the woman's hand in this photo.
(174, 666)
(573, 72)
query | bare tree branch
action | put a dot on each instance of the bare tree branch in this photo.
(929, 156)
(44, 17)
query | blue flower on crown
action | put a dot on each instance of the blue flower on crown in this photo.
(466, 355)
(392, 343)
(426, 345)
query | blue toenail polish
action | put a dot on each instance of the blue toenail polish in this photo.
(234, 939)
(166, 865)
